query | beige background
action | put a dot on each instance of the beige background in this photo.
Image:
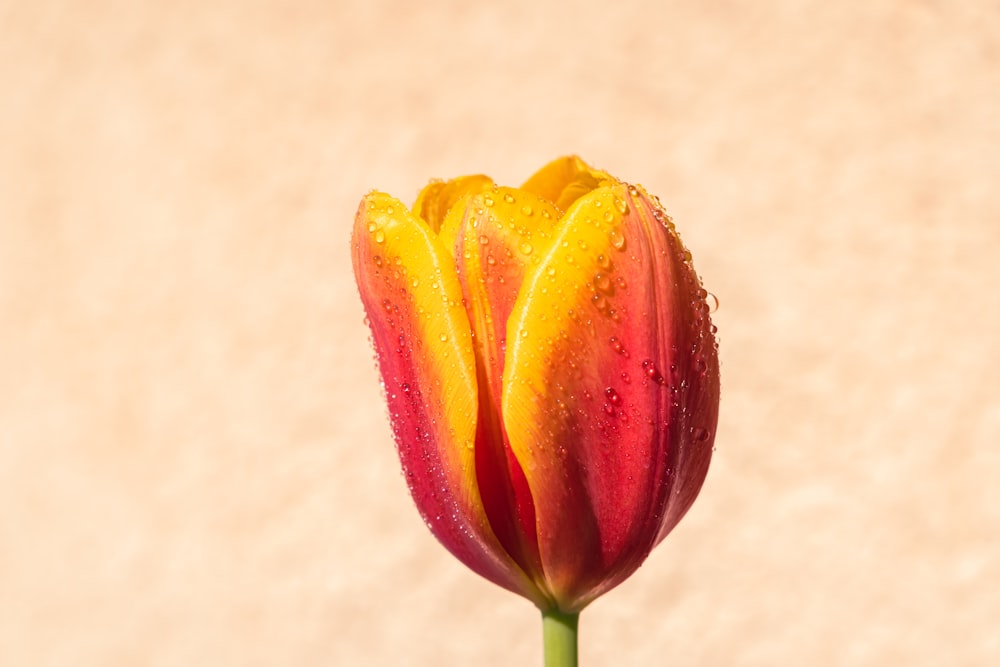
(195, 463)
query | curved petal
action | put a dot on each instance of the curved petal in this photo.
(423, 341)
(565, 180)
(439, 197)
(496, 242)
(598, 376)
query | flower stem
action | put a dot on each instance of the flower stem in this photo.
(559, 638)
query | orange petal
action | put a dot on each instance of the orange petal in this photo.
(610, 379)
(496, 242)
(423, 340)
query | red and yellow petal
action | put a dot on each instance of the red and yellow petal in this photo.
(496, 241)
(423, 340)
(604, 343)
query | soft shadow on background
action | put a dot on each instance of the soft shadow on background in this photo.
(195, 462)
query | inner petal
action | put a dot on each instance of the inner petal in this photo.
(501, 235)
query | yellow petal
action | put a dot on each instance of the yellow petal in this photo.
(413, 299)
(565, 180)
(439, 197)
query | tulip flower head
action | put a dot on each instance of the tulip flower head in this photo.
(550, 368)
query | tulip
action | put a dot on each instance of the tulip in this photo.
(551, 374)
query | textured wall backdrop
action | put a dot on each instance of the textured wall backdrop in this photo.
(195, 463)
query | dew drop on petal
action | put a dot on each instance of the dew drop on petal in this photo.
(616, 345)
(602, 282)
(612, 396)
(526, 248)
(379, 236)
(652, 371)
(712, 301)
(509, 198)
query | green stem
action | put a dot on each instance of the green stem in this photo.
(559, 637)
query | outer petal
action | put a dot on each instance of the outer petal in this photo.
(423, 341)
(608, 356)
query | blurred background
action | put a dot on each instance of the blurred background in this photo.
(196, 466)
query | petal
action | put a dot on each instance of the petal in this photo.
(495, 244)
(600, 403)
(423, 341)
(565, 180)
(439, 197)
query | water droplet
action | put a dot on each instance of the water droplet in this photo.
(389, 210)
(616, 345)
(612, 396)
(620, 281)
(491, 260)
(526, 248)
(484, 240)
(443, 337)
(416, 282)
(712, 301)
(609, 216)
(509, 198)
(379, 236)
(617, 240)
(527, 210)
(604, 262)
(378, 260)
(372, 226)
(524, 333)
(488, 201)
(602, 282)
(551, 271)
(700, 366)
(621, 206)
(700, 434)
(653, 372)
(626, 378)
